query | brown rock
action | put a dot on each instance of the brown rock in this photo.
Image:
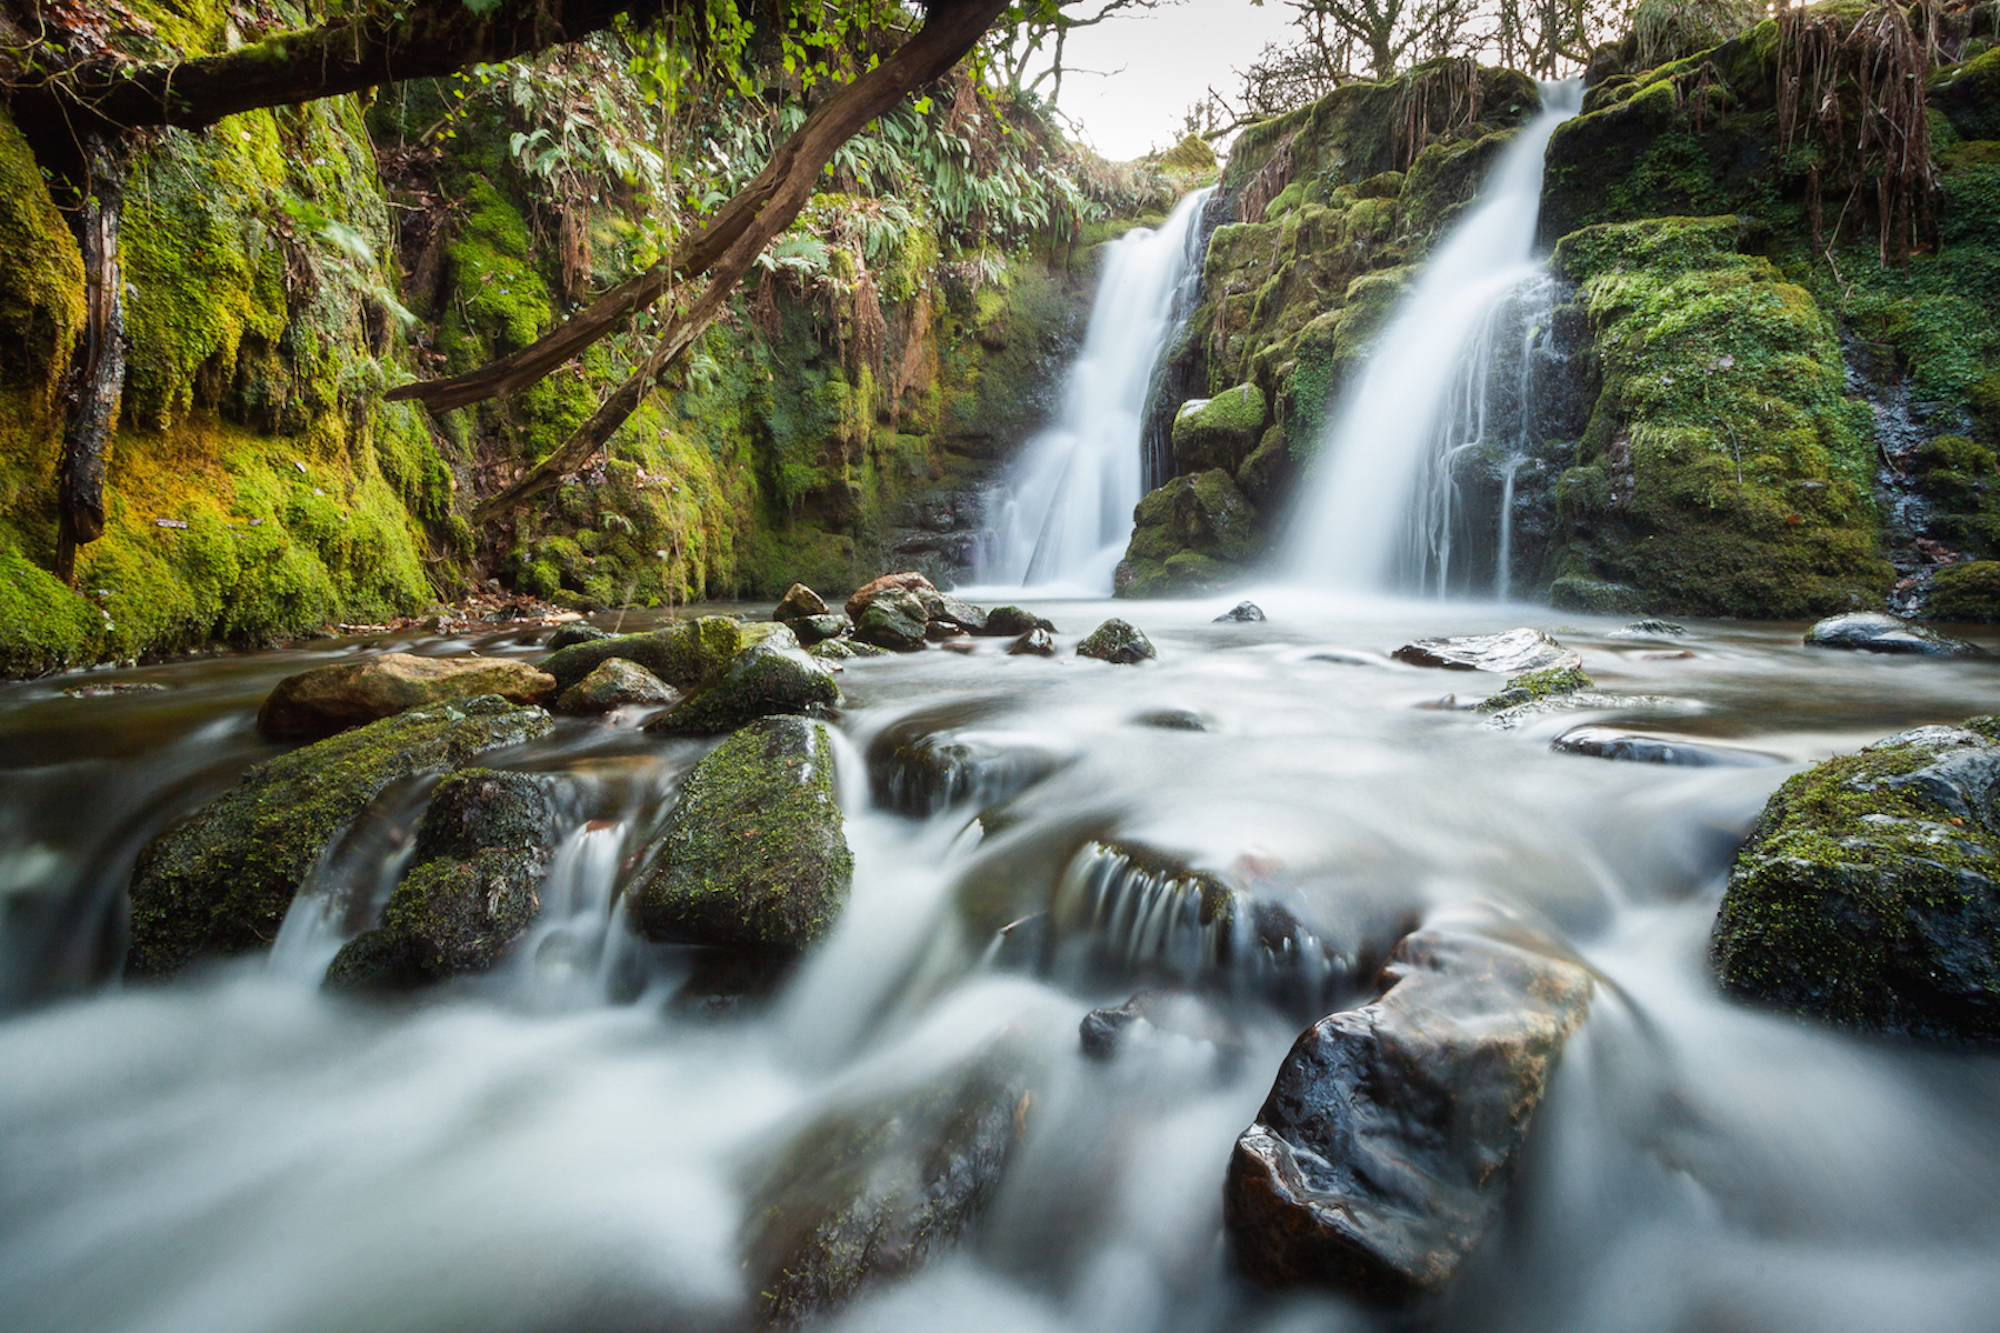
(1035, 643)
(331, 699)
(799, 602)
(865, 595)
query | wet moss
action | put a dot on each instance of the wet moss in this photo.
(41, 283)
(1965, 593)
(1533, 686)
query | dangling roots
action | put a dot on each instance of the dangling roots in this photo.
(1440, 99)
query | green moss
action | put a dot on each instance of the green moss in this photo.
(43, 625)
(1533, 686)
(1965, 593)
(41, 283)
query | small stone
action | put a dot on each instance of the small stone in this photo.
(817, 629)
(1649, 629)
(1634, 748)
(839, 650)
(1532, 686)
(614, 684)
(799, 602)
(1117, 641)
(764, 680)
(1172, 719)
(1035, 643)
(1241, 613)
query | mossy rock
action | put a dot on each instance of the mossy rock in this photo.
(329, 699)
(221, 880)
(1868, 895)
(1969, 96)
(1965, 593)
(754, 854)
(615, 683)
(682, 655)
(1579, 592)
(42, 282)
(1534, 686)
(1218, 432)
(1194, 534)
(1119, 642)
(764, 680)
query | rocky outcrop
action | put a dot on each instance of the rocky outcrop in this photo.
(1868, 895)
(764, 680)
(330, 699)
(221, 880)
(1219, 432)
(1195, 534)
(1965, 593)
(1383, 1154)
(1119, 642)
(1880, 632)
(754, 854)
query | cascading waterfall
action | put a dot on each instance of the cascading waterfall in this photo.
(1065, 517)
(1380, 508)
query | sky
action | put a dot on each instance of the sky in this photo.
(1163, 60)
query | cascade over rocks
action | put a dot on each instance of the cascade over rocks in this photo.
(930, 761)
(615, 683)
(1383, 1154)
(754, 854)
(482, 850)
(1868, 895)
(330, 699)
(220, 881)
(1516, 650)
(1118, 642)
(1880, 632)
(765, 679)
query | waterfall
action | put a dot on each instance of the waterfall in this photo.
(1066, 514)
(1381, 506)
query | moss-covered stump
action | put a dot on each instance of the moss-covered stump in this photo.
(1967, 593)
(472, 889)
(1383, 1154)
(1193, 535)
(1219, 432)
(615, 683)
(221, 880)
(1869, 894)
(870, 1193)
(754, 854)
(764, 680)
(331, 699)
(682, 655)
(1119, 642)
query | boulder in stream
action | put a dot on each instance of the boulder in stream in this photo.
(754, 854)
(615, 683)
(798, 603)
(1880, 632)
(1868, 895)
(1012, 621)
(764, 680)
(472, 889)
(1535, 686)
(951, 615)
(894, 619)
(683, 655)
(840, 650)
(221, 880)
(1240, 614)
(1511, 652)
(1117, 641)
(810, 630)
(577, 631)
(929, 762)
(330, 699)
(1383, 1153)
(864, 596)
(1035, 643)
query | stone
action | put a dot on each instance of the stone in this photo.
(1173, 719)
(894, 619)
(1634, 748)
(1012, 621)
(1117, 641)
(810, 630)
(682, 655)
(1266, 475)
(330, 699)
(1241, 613)
(929, 762)
(1649, 629)
(472, 889)
(1575, 592)
(1035, 643)
(577, 631)
(1383, 1153)
(798, 603)
(615, 683)
(952, 613)
(220, 881)
(754, 853)
(1965, 593)
(840, 650)
(1195, 534)
(1218, 432)
(1152, 1015)
(1534, 686)
(1868, 896)
(764, 680)
(1880, 632)
(1512, 652)
(866, 594)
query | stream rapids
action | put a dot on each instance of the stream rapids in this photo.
(562, 1144)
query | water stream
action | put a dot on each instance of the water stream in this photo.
(562, 1145)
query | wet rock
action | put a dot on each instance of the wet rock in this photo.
(1117, 641)
(220, 881)
(840, 650)
(764, 680)
(570, 635)
(331, 699)
(925, 763)
(682, 655)
(1196, 534)
(1880, 632)
(1013, 620)
(1517, 650)
(1382, 1155)
(1634, 748)
(1173, 719)
(1218, 432)
(1153, 1014)
(867, 593)
(111, 688)
(1240, 613)
(818, 629)
(615, 683)
(798, 603)
(1035, 643)
(950, 614)
(893, 619)
(754, 854)
(1649, 629)
(867, 1194)
(1574, 592)
(482, 851)
(1869, 894)
(1965, 593)
(1534, 686)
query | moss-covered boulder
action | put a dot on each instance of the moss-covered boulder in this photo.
(810, 630)
(1119, 642)
(1036, 642)
(1534, 686)
(1965, 593)
(1192, 535)
(682, 655)
(754, 854)
(482, 849)
(616, 683)
(893, 618)
(764, 680)
(221, 880)
(577, 631)
(1220, 431)
(1014, 620)
(331, 699)
(1868, 895)
(1599, 597)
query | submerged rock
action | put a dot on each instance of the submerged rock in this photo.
(331, 699)
(1514, 651)
(615, 683)
(1382, 1156)
(1649, 629)
(798, 603)
(1154, 1014)
(1241, 613)
(1869, 893)
(893, 619)
(570, 635)
(1035, 643)
(925, 763)
(1013, 620)
(764, 680)
(482, 850)
(754, 854)
(1535, 686)
(1634, 748)
(220, 881)
(1880, 632)
(1117, 641)
(1173, 719)
(682, 655)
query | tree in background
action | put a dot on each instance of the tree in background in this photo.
(1030, 54)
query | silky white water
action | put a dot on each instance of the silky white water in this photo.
(1066, 513)
(1373, 486)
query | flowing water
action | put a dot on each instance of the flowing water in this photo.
(1065, 517)
(1379, 508)
(562, 1144)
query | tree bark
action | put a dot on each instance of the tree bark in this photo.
(780, 191)
(97, 371)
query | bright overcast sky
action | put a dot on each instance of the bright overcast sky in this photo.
(1165, 60)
